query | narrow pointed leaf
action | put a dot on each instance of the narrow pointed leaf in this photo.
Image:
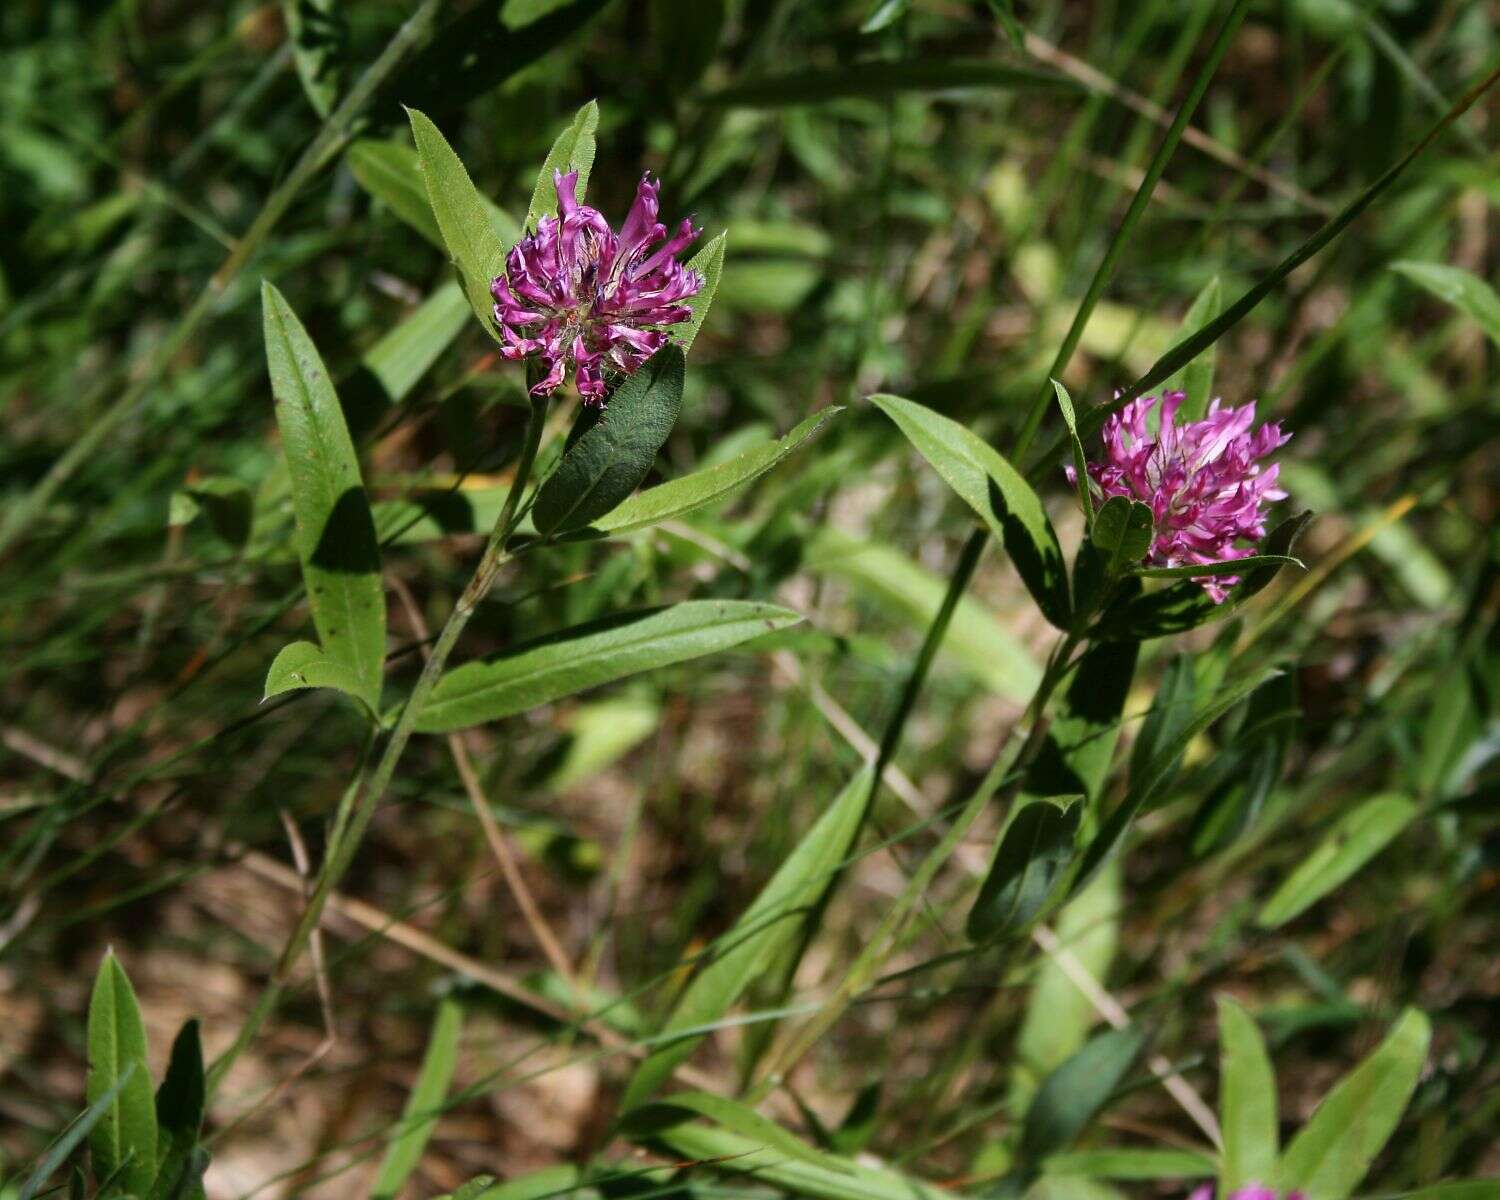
(425, 1103)
(609, 461)
(124, 1138)
(709, 263)
(773, 921)
(1353, 841)
(649, 1120)
(179, 1116)
(678, 497)
(462, 217)
(1467, 292)
(996, 492)
(335, 533)
(1228, 566)
(1034, 851)
(1080, 462)
(1196, 380)
(1331, 1153)
(1074, 1094)
(1161, 769)
(573, 150)
(1247, 1102)
(591, 655)
(881, 79)
(72, 1137)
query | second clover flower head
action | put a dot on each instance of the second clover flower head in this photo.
(575, 293)
(1251, 1191)
(1203, 480)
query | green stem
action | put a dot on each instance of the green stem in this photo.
(363, 800)
(330, 139)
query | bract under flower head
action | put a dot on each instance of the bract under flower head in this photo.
(575, 292)
(1203, 480)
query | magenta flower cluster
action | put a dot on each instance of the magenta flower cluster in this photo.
(576, 293)
(1253, 1191)
(1203, 480)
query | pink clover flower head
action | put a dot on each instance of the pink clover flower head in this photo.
(1203, 480)
(577, 293)
(1251, 1191)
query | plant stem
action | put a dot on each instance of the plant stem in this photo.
(364, 799)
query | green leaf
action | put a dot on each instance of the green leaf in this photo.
(1228, 566)
(400, 358)
(1354, 840)
(1332, 1152)
(1033, 853)
(994, 490)
(773, 921)
(319, 33)
(594, 654)
(71, 1137)
(1466, 292)
(1080, 462)
(462, 218)
(608, 462)
(881, 79)
(1247, 1102)
(1196, 379)
(1458, 1189)
(124, 1138)
(335, 534)
(678, 497)
(179, 1115)
(484, 1185)
(1124, 1163)
(1171, 710)
(304, 665)
(709, 263)
(649, 1120)
(390, 172)
(1076, 754)
(1185, 605)
(1122, 533)
(1162, 767)
(425, 1103)
(1072, 1095)
(726, 1150)
(572, 151)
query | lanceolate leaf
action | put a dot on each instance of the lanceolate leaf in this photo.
(1357, 838)
(124, 1138)
(179, 1117)
(1161, 768)
(1197, 378)
(70, 1139)
(609, 461)
(425, 1103)
(1073, 1094)
(572, 151)
(680, 496)
(1034, 852)
(1228, 566)
(730, 1151)
(773, 921)
(591, 655)
(1466, 292)
(994, 490)
(651, 1119)
(1331, 1153)
(462, 218)
(335, 534)
(1247, 1102)
(709, 263)
(1080, 461)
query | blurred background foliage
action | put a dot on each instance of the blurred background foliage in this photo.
(916, 197)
